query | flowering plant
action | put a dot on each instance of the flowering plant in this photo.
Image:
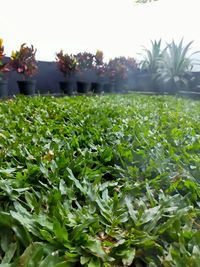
(85, 61)
(131, 64)
(98, 65)
(116, 68)
(98, 58)
(4, 67)
(24, 62)
(119, 67)
(67, 64)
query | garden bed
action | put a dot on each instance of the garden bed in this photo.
(99, 181)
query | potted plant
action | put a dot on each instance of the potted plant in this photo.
(67, 64)
(24, 62)
(85, 63)
(117, 72)
(4, 67)
(109, 85)
(99, 68)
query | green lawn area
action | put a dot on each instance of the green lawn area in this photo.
(100, 181)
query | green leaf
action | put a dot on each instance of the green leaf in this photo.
(7, 171)
(60, 231)
(131, 211)
(84, 260)
(128, 256)
(94, 262)
(9, 253)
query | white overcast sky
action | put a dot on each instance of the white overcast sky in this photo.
(118, 27)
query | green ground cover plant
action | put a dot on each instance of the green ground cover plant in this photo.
(100, 181)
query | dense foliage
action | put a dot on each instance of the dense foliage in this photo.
(85, 61)
(66, 63)
(171, 65)
(24, 62)
(4, 67)
(119, 67)
(100, 181)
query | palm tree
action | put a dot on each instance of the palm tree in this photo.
(152, 58)
(151, 62)
(174, 64)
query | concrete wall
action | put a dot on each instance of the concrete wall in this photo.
(48, 77)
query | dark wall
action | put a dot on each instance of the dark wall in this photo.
(48, 77)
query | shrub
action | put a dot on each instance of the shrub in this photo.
(4, 66)
(119, 67)
(66, 63)
(24, 62)
(85, 61)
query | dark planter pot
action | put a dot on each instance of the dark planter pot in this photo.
(108, 88)
(83, 87)
(96, 87)
(3, 89)
(27, 87)
(67, 87)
